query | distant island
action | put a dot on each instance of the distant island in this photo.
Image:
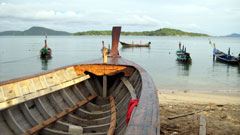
(41, 31)
(160, 32)
(233, 35)
(34, 31)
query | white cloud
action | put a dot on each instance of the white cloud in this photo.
(201, 15)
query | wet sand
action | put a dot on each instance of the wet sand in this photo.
(221, 111)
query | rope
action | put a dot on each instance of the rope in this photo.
(132, 103)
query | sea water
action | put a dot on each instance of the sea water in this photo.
(19, 57)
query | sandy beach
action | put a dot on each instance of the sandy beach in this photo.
(221, 111)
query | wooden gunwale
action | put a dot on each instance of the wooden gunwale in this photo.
(58, 116)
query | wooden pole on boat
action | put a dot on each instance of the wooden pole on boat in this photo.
(105, 51)
(104, 86)
(115, 39)
(46, 39)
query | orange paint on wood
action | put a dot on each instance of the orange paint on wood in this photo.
(103, 69)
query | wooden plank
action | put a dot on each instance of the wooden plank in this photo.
(104, 86)
(11, 89)
(89, 87)
(2, 97)
(203, 123)
(185, 114)
(28, 114)
(12, 122)
(58, 116)
(98, 86)
(113, 117)
(129, 87)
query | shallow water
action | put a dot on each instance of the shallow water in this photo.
(19, 56)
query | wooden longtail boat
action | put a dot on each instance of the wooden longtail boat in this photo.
(227, 58)
(183, 55)
(48, 55)
(46, 52)
(90, 98)
(135, 45)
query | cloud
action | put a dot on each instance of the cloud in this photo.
(201, 15)
(96, 16)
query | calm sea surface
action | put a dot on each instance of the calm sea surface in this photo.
(19, 56)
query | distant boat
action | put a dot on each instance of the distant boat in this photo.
(221, 56)
(135, 45)
(46, 52)
(47, 55)
(182, 55)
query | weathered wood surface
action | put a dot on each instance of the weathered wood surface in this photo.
(20, 91)
(113, 116)
(185, 114)
(129, 87)
(203, 123)
(103, 69)
(58, 116)
(104, 86)
(145, 118)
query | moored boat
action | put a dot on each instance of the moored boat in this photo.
(182, 54)
(95, 97)
(135, 45)
(46, 52)
(227, 58)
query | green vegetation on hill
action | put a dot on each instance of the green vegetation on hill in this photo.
(160, 32)
(42, 31)
(35, 31)
(93, 33)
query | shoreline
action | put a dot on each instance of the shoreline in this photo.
(209, 91)
(198, 98)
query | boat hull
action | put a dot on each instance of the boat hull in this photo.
(135, 45)
(38, 98)
(221, 56)
(183, 56)
(48, 55)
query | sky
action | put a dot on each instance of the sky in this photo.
(213, 17)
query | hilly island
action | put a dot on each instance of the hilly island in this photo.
(41, 31)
